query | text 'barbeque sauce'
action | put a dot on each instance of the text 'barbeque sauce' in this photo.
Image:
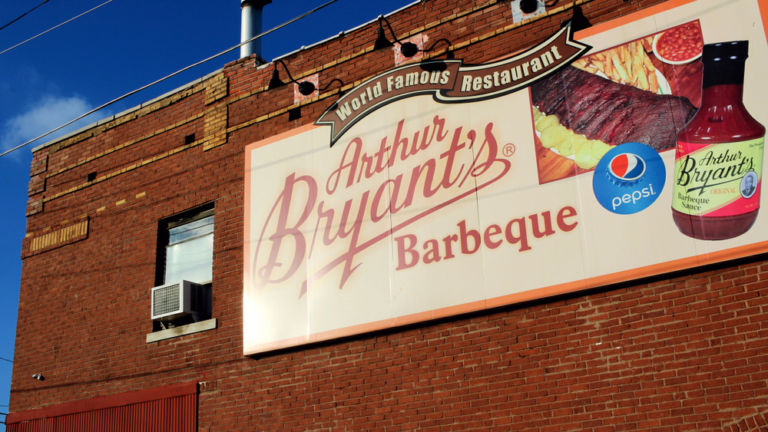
(719, 157)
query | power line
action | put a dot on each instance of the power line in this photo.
(54, 27)
(130, 93)
(8, 360)
(24, 14)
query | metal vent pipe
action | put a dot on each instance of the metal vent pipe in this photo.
(250, 26)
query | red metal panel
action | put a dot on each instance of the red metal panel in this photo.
(164, 409)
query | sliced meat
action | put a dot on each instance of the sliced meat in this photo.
(613, 113)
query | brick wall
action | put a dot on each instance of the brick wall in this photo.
(680, 352)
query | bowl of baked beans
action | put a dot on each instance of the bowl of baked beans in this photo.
(679, 45)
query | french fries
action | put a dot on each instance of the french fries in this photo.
(625, 64)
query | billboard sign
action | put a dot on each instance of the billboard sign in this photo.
(470, 189)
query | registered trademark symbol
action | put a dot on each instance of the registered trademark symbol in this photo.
(509, 149)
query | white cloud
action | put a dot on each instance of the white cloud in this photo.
(48, 114)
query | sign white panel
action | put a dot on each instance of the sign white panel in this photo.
(424, 209)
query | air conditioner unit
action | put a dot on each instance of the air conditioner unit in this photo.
(176, 299)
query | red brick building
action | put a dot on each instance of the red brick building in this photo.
(681, 349)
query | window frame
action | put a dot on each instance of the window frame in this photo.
(164, 233)
(203, 320)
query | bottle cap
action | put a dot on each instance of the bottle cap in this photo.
(723, 51)
(724, 63)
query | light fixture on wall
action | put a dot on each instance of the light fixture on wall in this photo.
(407, 49)
(305, 87)
(578, 20)
(38, 376)
(448, 51)
(529, 6)
(341, 85)
(433, 65)
(335, 104)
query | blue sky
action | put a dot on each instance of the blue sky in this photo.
(119, 47)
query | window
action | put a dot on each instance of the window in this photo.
(185, 253)
(185, 248)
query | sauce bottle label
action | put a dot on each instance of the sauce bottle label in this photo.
(718, 179)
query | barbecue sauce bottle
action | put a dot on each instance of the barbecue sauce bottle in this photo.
(719, 157)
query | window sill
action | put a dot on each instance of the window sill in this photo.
(182, 330)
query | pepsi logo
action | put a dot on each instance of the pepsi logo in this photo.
(627, 166)
(629, 178)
